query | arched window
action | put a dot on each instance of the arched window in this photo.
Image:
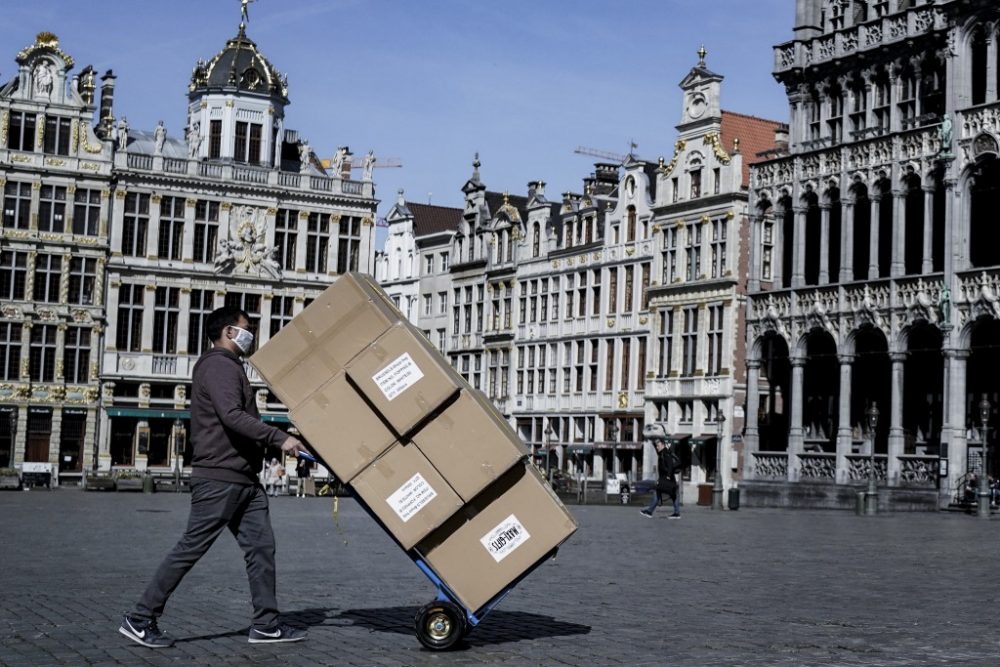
(978, 69)
(984, 238)
(536, 239)
(630, 225)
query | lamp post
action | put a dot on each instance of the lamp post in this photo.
(720, 422)
(984, 476)
(548, 452)
(871, 497)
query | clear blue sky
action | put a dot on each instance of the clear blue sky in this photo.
(431, 82)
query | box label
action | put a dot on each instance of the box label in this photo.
(412, 497)
(502, 540)
(398, 376)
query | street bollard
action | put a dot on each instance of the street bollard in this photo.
(860, 503)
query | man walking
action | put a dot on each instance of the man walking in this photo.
(666, 483)
(228, 439)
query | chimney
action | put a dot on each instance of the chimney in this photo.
(107, 114)
(781, 137)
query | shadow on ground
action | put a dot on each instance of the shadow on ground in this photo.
(497, 628)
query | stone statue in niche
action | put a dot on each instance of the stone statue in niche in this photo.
(194, 140)
(159, 137)
(369, 166)
(42, 77)
(122, 133)
(246, 250)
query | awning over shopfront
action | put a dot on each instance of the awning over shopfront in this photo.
(149, 413)
(582, 450)
(677, 438)
(153, 413)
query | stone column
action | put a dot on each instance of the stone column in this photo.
(184, 321)
(824, 244)
(896, 433)
(117, 222)
(958, 418)
(898, 265)
(847, 240)
(947, 485)
(845, 441)
(264, 330)
(300, 242)
(876, 200)
(927, 265)
(778, 267)
(148, 306)
(55, 443)
(751, 437)
(753, 281)
(991, 67)
(799, 247)
(795, 434)
(187, 249)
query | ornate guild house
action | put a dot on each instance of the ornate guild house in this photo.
(118, 242)
(874, 298)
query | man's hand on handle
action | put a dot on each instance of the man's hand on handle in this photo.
(293, 446)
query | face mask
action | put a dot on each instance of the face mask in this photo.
(243, 340)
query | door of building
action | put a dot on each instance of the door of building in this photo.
(74, 425)
(8, 427)
(36, 449)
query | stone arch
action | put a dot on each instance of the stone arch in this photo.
(982, 184)
(772, 351)
(820, 389)
(871, 382)
(861, 252)
(923, 397)
(983, 367)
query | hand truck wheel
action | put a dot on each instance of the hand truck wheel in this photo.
(439, 625)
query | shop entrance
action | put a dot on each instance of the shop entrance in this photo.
(74, 425)
(36, 448)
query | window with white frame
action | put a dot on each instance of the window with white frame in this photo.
(128, 334)
(82, 280)
(86, 212)
(689, 341)
(171, 232)
(17, 205)
(21, 131)
(668, 252)
(718, 244)
(628, 296)
(42, 353)
(52, 209)
(76, 355)
(694, 252)
(349, 243)
(286, 235)
(166, 313)
(767, 249)
(135, 224)
(317, 242)
(10, 351)
(206, 230)
(281, 312)
(666, 342)
(48, 272)
(202, 303)
(57, 135)
(714, 339)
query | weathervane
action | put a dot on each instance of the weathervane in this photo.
(244, 16)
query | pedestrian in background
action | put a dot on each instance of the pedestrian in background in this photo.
(228, 439)
(275, 477)
(302, 472)
(667, 464)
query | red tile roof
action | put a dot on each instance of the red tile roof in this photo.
(428, 219)
(755, 135)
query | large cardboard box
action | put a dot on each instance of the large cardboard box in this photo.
(498, 537)
(320, 340)
(407, 494)
(470, 445)
(341, 428)
(403, 378)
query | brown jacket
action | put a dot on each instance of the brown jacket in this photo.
(227, 434)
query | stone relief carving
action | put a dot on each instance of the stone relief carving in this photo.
(246, 250)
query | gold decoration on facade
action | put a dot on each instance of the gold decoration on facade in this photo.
(611, 321)
(712, 139)
(597, 255)
(4, 125)
(225, 206)
(367, 221)
(679, 147)
(156, 199)
(656, 228)
(40, 131)
(119, 194)
(623, 399)
(730, 215)
(630, 250)
(303, 215)
(44, 41)
(569, 261)
(229, 103)
(643, 319)
(555, 264)
(22, 391)
(37, 185)
(20, 158)
(25, 367)
(83, 144)
(55, 162)
(272, 211)
(90, 394)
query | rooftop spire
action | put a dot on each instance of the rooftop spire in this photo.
(701, 56)
(244, 14)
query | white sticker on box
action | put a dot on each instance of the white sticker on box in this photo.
(398, 376)
(412, 497)
(506, 537)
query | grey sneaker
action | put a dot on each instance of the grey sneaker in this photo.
(144, 632)
(674, 516)
(275, 634)
(646, 513)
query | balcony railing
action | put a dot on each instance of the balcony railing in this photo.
(164, 365)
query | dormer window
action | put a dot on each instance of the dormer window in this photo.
(251, 79)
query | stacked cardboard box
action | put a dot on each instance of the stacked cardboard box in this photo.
(429, 455)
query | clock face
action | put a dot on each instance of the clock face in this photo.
(251, 79)
(697, 105)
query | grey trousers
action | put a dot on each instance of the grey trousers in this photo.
(214, 506)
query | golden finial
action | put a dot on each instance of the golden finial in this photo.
(701, 56)
(736, 145)
(506, 198)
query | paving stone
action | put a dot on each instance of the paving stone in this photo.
(753, 587)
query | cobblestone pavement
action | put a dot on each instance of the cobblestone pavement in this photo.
(753, 587)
